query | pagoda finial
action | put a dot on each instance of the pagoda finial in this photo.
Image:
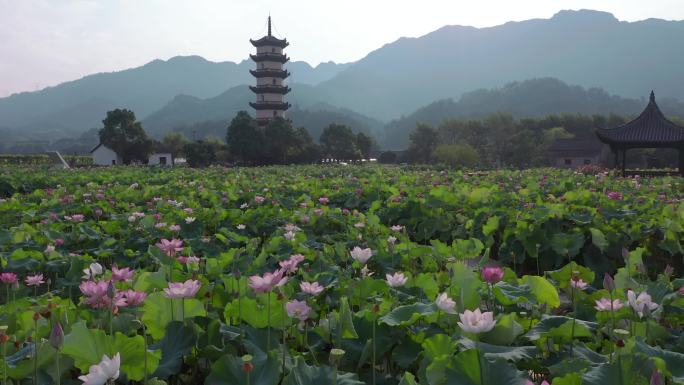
(652, 97)
(269, 25)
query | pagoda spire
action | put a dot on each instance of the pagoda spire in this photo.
(652, 97)
(269, 25)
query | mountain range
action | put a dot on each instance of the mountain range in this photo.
(584, 48)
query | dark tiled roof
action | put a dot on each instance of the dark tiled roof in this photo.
(576, 147)
(651, 128)
(269, 41)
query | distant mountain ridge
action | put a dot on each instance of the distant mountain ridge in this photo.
(534, 98)
(584, 48)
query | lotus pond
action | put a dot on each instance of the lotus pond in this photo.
(340, 275)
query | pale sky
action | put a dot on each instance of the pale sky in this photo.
(46, 42)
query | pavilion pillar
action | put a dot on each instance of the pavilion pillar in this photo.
(624, 160)
(615, 153)
(681, 161)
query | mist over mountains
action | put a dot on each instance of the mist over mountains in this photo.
(401, 83)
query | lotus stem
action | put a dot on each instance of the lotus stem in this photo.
(59, 375)
(268, 335)
(373, 342)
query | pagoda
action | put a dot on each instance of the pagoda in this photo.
(651, 129)
(270, 75)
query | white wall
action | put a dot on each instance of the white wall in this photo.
(575, 162)
(268, 114)
(104, 156)
(155, 159)
(269, 48)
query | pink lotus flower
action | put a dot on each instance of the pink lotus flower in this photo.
(476, 321)
(528, 382)
(187, 289)
(175, 228)
(577, 283)
(289, 235)
(492, 274)
(76, 218)
(290, 265)
(318, 212)
(397, 228)
(641, 302)
(59, 242)
(323, 200)
(604, 304)
(361, 255)
(8, 278)
(188, 259)
(97, 298)
(614, 195)
(267, 282)
(134, 298)
(124, 274)
(34, 280)
(445, 304)
(259, 199)
(396, 279)
(311, 288)
(170, 247)
(681, 290)
(298, 309)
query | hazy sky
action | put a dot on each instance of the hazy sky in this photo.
(45, 42)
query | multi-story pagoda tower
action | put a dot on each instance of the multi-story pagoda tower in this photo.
(270, 75)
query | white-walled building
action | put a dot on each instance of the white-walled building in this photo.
(270, 76)
(105, 156)
(161, 159)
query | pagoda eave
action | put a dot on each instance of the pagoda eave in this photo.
(269, 73)
(270, 89)
(279, 106)
(274, 57)
(269, 41)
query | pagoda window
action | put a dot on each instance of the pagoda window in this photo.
(273, 50)
(274, 81)
(274, 113)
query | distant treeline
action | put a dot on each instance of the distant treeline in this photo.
(500, 140)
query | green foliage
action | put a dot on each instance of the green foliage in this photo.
(125, 136)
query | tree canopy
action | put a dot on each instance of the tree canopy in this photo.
(125, 136)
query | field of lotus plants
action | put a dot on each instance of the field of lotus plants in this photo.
(340, 275)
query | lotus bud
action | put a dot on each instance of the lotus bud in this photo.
(669, 270)
(655, 378)
(111, 290)
(608, 282)
(57, 336)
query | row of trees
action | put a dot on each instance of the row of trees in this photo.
(280, 143)
(246, 142)
(499, 140)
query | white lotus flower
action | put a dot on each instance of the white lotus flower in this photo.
(361, 255)
(476, 321)
(396, 279)
(107, 369)
(92, 271)
(638, 303)
(189, 220)
(445, 303)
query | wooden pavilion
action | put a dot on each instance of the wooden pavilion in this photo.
(650, 130)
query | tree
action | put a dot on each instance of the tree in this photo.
(423, 141)
(456, 155)
(339, 142)
(388, 157)
(279, 142)
(245, 140)
(125, 136)
(305, 150)
(174, 143)
(200, 153)
(365, 144)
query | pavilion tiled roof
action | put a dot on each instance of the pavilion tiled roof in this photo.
(650, 129)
